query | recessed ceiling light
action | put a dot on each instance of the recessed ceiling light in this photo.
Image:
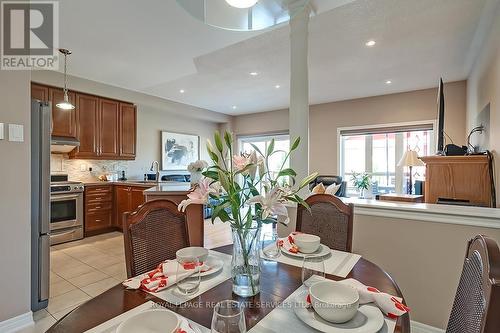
(370, 43)
(388, 82)
(277, 86)
(254, 73)
(182, 91)
(242, 3)
(234, 107)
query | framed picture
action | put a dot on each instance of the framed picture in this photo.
(178, 150)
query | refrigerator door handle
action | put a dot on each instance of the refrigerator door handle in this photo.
(45, 169)
(44, 267)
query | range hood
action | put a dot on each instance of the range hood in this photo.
(62, 145)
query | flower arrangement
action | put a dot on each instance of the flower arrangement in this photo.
(246, 195)
(197, 166)
(234, 183)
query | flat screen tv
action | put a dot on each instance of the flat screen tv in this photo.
(440, 124)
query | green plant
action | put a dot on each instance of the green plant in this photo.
(361, 180)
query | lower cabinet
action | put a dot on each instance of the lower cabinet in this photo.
(127, 199)
(106, 203)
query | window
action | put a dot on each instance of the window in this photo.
(281, 142)
(377, 151)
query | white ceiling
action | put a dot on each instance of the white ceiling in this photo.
(156, 48)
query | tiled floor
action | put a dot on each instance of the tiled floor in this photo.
(83, 269)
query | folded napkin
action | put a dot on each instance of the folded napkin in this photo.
(163, 276)
(185, 327)
(288, 244)
(388, 304)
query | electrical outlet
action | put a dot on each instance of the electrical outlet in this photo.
(83, 167)
(16, 133)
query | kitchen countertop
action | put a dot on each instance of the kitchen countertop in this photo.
(126, 182)
(175, 188)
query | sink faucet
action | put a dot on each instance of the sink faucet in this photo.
(155, 163)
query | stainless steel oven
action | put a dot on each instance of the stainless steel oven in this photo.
(66, 211)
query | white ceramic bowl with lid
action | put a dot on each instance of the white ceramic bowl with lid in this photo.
(154, 320)
(333, 301)
(307, 243)
(188, 253)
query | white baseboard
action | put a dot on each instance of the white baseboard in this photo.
(417, 327)
(16, 323)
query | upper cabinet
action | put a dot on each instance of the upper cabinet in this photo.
(128, 133)
(106, 128)
(63, 121)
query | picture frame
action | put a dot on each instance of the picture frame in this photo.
(178, 150)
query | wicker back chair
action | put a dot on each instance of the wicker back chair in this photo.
(330, 219)
(154, 233)
(476, 307)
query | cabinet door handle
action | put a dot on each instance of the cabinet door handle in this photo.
(98, 207)
(98, 198)
(98, 220)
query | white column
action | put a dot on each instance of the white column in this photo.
(299, 89)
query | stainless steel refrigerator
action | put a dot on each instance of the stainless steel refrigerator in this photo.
(40, 203)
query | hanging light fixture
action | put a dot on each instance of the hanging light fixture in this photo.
(65, 104)
(242, 3)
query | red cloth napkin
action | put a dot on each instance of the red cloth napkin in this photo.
(288, 243)
(162, 276)
(390, 305)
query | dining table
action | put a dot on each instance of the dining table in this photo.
(277, 282)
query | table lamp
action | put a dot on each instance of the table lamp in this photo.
(410, 159)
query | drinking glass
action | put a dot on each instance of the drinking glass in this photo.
(313, 267)
(190, 284)
(270, 248)
(228, 317)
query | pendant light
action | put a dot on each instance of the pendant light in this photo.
(242, 3)
(65, 104)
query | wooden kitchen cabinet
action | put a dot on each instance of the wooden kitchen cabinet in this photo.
(127, 199)
(63, 121)
(87, 117)
(109, 128)
(106, 128)
(128, 126)
(99, 211)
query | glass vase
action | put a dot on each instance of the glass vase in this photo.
(246, 261)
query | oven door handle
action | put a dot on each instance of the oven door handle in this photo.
(64, 197)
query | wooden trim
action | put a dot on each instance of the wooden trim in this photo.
(347, 209)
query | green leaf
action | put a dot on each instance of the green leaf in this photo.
(270, 148)
(307, 180)
(211, 174)
(295, 143)
(218, 141)
(213, 156)
(257, 149)
(228, 138)
(287, 172)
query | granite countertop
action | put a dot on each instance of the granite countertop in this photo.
(129, 182)
(169, 188)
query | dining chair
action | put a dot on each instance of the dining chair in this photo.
(154, 233)
(329, 218)
(476, 307)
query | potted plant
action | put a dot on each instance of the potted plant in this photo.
(361, 181)
(247, 196)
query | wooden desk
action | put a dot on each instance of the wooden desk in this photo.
(402, 197)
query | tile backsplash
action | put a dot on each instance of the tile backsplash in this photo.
(79, 170)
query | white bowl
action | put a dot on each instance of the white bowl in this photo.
(188, 253)
(307, 243)
(156, 320)
(333, 301)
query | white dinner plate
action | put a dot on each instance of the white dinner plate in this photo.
(369, 318)
(215, 265)
(322, 251)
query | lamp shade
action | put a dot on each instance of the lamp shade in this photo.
(410, 158)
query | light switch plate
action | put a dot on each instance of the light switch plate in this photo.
(16, 133)
(2, 135)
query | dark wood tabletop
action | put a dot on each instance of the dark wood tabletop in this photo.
(277, 282)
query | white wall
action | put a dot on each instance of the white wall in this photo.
(153, 115)
(15, 199)
(483, 85)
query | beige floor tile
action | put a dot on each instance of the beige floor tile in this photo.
(115, 269)
(59, 314)
(122, 276)
(64, 263)
(40, 326)
(66, 300)
(54, 277)
(88, 278)
(40, 314)
(97, 288)
(81, 252)
(102, 261)
(70, 272)
(60, 287)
